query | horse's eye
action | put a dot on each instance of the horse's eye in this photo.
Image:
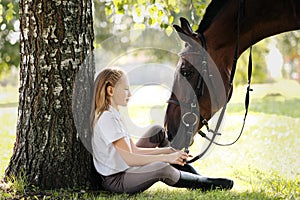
(185, 73)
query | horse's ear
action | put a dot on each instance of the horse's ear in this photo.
(185, 25)
(184, 36)
(181, 33)
(178, 29)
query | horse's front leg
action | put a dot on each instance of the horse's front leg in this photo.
(154, 137)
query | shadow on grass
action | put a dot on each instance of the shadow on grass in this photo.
(158, 194)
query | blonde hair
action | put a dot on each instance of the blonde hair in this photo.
(101, 100)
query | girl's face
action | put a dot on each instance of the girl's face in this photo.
(121, 93)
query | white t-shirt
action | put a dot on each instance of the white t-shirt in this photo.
(108, 129)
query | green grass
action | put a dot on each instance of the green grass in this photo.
(264, 163)
(8, 118)
(264, 187)
(8, 121)
(276, 105)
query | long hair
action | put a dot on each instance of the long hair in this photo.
(101, 100)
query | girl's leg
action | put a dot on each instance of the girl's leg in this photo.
(138, 179)
(154, 137)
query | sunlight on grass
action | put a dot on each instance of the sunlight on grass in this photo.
(8, 121)
(8, 118)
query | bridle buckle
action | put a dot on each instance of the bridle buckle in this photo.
(189, 124)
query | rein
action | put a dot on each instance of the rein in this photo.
(220, 119)
(199, 92)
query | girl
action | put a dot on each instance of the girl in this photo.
(124, 167)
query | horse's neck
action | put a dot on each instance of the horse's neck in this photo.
(261, 19)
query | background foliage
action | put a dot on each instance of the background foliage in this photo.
(9, 35)
(114, 16)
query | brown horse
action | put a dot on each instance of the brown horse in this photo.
(200, 88)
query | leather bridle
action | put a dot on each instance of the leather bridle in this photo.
(194, 111)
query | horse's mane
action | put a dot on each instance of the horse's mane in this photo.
(211, 12)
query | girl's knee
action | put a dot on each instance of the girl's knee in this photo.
(166, 173)
(163, 169)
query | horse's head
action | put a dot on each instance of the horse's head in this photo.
(197, 81)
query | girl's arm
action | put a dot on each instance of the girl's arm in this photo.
(151, 151)
(134, 159)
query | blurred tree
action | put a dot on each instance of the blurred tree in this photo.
(9, 35)
(113, 17)
(289, 45)
(260, 73)
(117, 16)
(126, 15)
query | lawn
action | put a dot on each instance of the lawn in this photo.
(264, 163)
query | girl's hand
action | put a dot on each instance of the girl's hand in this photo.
(178, 157)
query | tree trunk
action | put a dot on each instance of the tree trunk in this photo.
(56, 65)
